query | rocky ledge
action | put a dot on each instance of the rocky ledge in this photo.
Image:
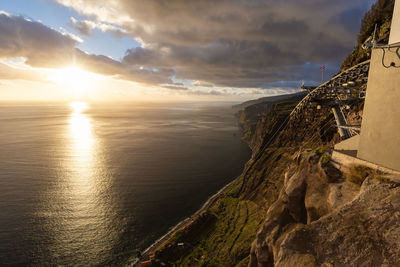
(323, 219)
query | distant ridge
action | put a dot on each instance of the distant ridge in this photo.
(268, 99)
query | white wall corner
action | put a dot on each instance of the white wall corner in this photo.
(395, 28)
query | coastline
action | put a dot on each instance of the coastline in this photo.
(145, 254)
(209, 202)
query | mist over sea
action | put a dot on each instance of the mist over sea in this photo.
(90, 184)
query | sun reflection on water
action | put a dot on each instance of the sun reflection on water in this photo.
(81, 135)
(78, 107)
(85, 220)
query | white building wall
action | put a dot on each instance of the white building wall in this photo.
(395, 28)
(380, 128)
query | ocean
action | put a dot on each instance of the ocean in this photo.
(90, 184)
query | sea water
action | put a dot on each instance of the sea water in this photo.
(90, 184)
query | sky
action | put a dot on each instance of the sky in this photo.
(171, 50)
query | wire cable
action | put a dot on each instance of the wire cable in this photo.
(392, 64)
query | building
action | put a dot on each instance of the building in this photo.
(379, 141)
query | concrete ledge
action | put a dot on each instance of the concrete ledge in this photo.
(342, 159)
(349, 144)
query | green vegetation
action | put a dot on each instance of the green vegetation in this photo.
(380, 15)
(318, 150)
(325, 158)
(221, 237)
(359, 173)
(230, 242)
(324, 155)
(381, 177)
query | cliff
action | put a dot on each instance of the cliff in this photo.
(323, 219)
(260, 119)
(293, 205)
(222, 235)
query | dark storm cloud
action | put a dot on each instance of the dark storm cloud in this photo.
(48, 48)
(233, 43)
(349, 19)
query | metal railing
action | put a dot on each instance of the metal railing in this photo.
(341, 87)
(338, 91)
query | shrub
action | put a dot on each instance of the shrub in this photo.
(358, 174)
(325, 158)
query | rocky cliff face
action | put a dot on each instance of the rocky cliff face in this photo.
(292, 206)
(241, 210)
(322, 219)
(262, 119)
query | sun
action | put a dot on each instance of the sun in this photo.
(78, 107)
(77, 81)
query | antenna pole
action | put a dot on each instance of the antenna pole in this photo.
(322, 78)
(322, 73)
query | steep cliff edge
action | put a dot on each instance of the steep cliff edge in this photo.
(322, 219)
(222, 235)
(261, 119)
(292, 206)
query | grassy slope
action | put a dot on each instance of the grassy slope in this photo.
(224, 233)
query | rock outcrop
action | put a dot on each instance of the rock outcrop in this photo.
(321, 219)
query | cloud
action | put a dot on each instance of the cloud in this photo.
(175, 87)
(85, 27)
(44, 47)
(202, 84)
(209, 92)
(20, 37)
(232, 43)
(10, 73)
(107, 66)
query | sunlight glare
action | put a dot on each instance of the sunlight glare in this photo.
(77, 81)
(81, 131)
(78, 107)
